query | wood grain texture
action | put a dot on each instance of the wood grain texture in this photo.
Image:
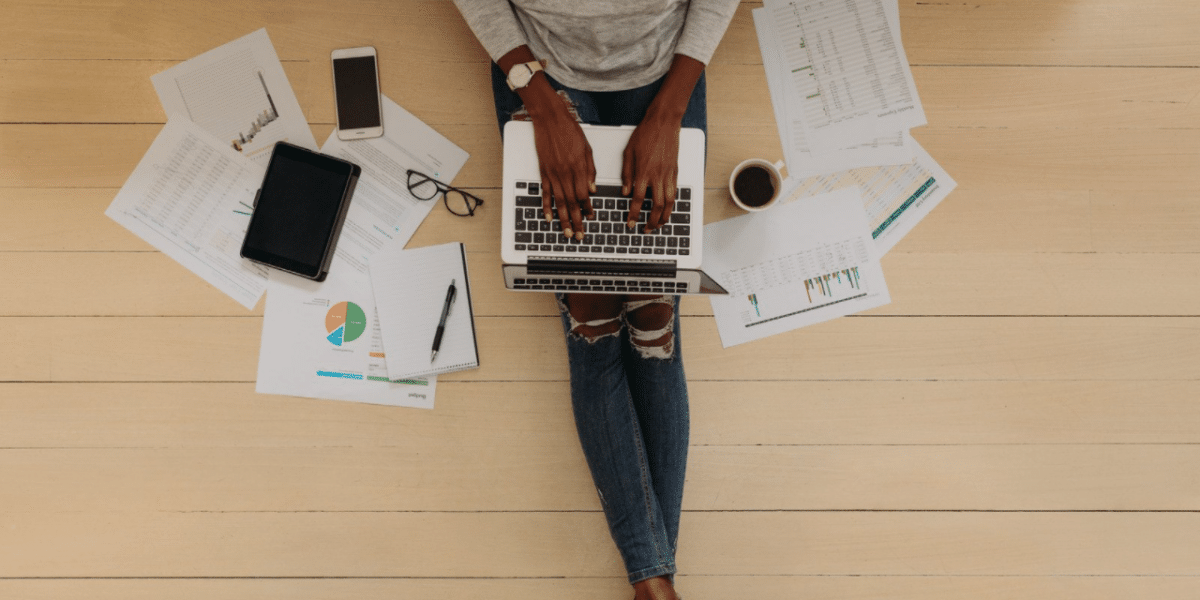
(1020, 422)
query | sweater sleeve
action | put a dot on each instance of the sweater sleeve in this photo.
(494, 25)
(705, 26)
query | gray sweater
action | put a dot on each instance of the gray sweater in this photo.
(601, 45)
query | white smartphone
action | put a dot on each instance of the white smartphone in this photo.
(356, 93)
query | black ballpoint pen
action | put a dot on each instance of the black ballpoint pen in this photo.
(441, 328)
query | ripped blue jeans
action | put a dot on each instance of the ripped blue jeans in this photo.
(631, 411)
(628, 392)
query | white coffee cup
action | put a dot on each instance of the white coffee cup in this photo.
(760, 188)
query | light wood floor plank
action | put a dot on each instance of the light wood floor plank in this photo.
(731, 413)
(108, 91)
(105, 155)
(979, 219)
(698, 587)
(1031, 32)
(209, 544)
(995, 32)
(547, 472)
(882, 348)
(150, 283)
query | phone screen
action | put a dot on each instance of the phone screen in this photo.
(355, 81)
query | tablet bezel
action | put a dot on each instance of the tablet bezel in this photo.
(350, 173)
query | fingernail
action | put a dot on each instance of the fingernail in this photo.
(631, 225)
(579, 235)
(592, 187)
(548, 217)
(567, 232)
(624, 190)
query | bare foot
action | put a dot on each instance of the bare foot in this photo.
(655, 588)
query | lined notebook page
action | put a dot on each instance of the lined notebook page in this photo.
(410, 290)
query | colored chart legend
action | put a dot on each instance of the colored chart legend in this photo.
(345, 323)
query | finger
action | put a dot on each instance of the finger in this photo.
(563, 203)
(671, 193)
(655, 220)
(591, 184)
(582, 185)
(637, 198)
(635, 208)
(547, 184)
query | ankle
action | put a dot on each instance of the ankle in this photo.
(655, 588)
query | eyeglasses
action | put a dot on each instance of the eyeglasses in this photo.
(458, 202)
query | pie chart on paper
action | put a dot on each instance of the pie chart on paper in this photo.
(345, 323)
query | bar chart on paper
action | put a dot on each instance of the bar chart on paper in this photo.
(805, 262)
(801, 282)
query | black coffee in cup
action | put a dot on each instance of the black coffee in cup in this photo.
(754, 186)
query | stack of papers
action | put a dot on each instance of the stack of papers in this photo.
(844, 102)
(191, 197)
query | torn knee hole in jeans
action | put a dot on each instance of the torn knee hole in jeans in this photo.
(652, 326)
(595, 329)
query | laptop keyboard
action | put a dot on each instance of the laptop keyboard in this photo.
(586, 284)
(606, 233)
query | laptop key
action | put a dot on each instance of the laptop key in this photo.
(524, 237)
(533, 201)
(681, 218)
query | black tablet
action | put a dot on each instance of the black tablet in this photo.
(299, 210)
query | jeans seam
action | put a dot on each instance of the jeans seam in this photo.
(647, 489)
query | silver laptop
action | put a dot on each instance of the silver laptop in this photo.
(610, 258)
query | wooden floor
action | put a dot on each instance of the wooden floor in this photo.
(1020, 422)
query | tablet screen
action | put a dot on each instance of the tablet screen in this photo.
(297, 209)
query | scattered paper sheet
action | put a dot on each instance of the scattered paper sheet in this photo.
(239, 93)
(796, 264)
(896, 197)
(299, 355)
(848, 70)
(801, 160)
(322, 340)
(383, 210)
(190, 196)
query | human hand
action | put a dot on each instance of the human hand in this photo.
(651, 162)
(567, 169)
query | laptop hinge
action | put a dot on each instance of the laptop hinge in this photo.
(557, 266)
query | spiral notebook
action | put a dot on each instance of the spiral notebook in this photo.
(410, 291)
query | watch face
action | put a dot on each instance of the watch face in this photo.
(519, 76)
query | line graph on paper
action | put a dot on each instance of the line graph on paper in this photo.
(230, 98)
(801, 282)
